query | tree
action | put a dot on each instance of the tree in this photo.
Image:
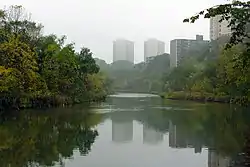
(37, 70)
(17, 57)
(233, 71)
(18, 22)
(87, 63)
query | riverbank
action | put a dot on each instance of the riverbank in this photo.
(45, 101)
(205, 97)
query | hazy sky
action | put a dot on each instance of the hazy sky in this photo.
(96, 23)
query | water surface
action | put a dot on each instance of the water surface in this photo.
(128, 130)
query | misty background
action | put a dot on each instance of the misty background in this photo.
(97, 23)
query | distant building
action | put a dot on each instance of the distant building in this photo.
(153, 47)
(219, 29)
(180, 47)
(123, 50)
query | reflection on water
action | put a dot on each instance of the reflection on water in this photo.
(151, 136)
(139, 130)
(215, 159)
(122, 129)
(132, 95)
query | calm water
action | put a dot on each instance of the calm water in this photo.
(128, 130)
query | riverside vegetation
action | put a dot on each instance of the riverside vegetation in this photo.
(141, 77)
(217, 71)
(205, 73)
(43, 71)
(224, 76)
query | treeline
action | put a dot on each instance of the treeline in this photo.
(143, 77)
(212, 75)
(43, 71)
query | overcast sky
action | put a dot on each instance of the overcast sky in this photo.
(96, 23)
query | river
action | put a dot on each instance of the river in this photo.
(128, 130)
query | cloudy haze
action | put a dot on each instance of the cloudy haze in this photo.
(96, 23)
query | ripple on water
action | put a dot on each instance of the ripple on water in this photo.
(132, 95)
(165, 108)
(109, 110)
(173, 108)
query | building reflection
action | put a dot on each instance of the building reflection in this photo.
(172, 135)
(197, 148)
(178, 139)
(122, 129)
(217, 160)
(151, 136)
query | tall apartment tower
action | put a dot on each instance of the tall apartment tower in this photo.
(218, 29)
(123, 50)
(153, 47)
(180, 47)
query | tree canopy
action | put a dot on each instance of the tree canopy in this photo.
(38, 70)
(141, 77)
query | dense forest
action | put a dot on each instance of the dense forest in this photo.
(38, 70)
(144, 77)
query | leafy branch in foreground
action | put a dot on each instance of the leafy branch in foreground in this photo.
(236, 13)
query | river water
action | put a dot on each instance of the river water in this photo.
(128, 130)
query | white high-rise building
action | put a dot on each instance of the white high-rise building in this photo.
(153, 47)
(123, 50)
(218, 29)
(180, 47)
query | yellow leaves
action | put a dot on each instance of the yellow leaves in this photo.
(4, 71)
(8, 79)
(52, 48)
(14, 52)
(19, 73)
(96, 81)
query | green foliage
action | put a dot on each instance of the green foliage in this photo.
(122, 65)
(141, 77)
(226, 76)
(46, 137)
(38, 70)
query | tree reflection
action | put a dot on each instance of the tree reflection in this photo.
(216, 126)
(48, 137)
(45, 138)
(222, 128)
